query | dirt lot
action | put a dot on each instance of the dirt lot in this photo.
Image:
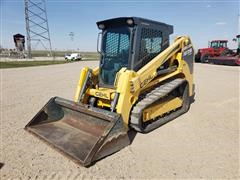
(204, 143)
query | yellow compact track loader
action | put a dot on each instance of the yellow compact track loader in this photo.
(142, 82)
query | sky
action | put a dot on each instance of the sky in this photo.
(201, 20)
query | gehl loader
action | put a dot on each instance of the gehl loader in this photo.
(142, 82)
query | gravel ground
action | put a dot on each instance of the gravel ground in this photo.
(204, 143)
(6, 59)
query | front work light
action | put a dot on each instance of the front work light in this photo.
(101, 26)
(130, 21)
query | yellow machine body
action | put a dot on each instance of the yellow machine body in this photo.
(130, 84)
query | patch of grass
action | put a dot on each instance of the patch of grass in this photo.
(16, 64)
(91, 56)
(87, 55)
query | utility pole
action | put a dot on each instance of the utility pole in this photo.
(71, 35)
(37, 26)
(239, 17)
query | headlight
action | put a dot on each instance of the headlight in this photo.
(130, 21)
(101, 26)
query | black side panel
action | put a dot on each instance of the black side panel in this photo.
(188, 56)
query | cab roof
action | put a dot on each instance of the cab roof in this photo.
(136, 21)
(219, 40)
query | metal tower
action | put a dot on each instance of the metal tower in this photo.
(37, 26)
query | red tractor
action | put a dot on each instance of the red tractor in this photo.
(216, 48)
(228, 57)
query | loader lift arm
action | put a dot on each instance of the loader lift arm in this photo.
(151, 70)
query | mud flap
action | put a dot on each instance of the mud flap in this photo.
(83, 133)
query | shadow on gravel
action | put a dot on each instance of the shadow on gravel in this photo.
(132, 134)
(1, 165)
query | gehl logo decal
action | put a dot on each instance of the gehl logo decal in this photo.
(100, 94)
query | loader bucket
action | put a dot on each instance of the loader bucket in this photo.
(83, 133)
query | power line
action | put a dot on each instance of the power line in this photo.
(37, 26)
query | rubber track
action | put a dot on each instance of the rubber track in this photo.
(150, 98)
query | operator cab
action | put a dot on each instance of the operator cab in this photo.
(129, 42)
(219, 44)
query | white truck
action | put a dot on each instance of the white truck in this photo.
(73, 57)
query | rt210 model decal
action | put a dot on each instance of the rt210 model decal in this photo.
(188, 52)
